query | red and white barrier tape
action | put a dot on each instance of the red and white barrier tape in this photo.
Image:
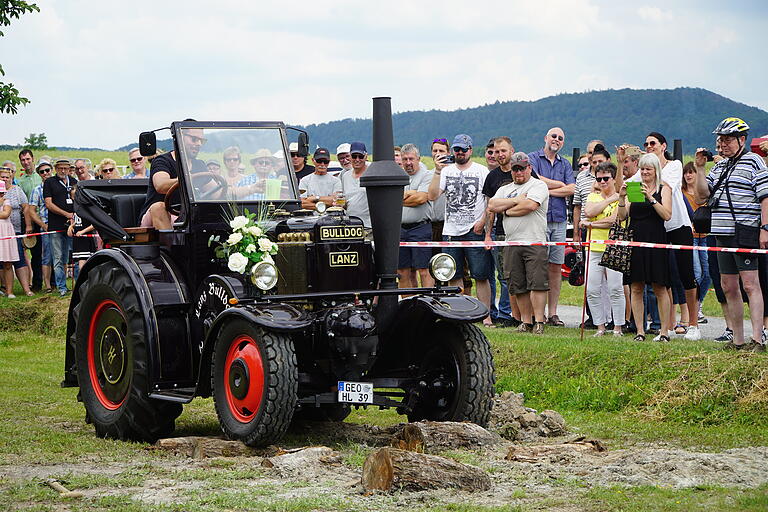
(40, 234)
(606, 242)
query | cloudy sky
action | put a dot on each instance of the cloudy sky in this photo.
(98, 72)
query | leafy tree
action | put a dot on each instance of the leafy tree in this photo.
(36, 141)
(9, 95)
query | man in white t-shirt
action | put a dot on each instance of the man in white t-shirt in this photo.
(415, 224)
(355, 195)
(465, 215)
(319, 186)
(524, 204)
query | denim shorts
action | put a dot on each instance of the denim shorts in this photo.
(556, 233)
(46, 254)
(480, 260)
(415, 257)
(22, 261)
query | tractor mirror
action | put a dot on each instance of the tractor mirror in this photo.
(147, 143)
(303, 144)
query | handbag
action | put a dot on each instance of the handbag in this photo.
(617, 257)
(702, 217)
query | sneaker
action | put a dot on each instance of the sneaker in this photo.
(11, 296)
(63, 293)
(510, 322)
(693, 334)
(727, 336)
(538, 328)
(764, 336)
(702, 319)
(598, 334)
(524, 327)
(555, 321)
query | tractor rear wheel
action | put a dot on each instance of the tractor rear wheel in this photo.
(254, 378)
(455, 377)
(112, 365)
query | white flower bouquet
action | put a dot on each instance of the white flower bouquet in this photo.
(246, 245)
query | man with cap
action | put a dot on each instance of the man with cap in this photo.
(212, 165)
(556, 172)
(465, 216)
(319, 186)
(39, 214)
(138, 165)
(415, 223)
(523, 204)
(342, 155)
(299, 162)
(355, 195)
(58, 193)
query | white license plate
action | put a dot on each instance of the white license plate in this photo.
(355, 392)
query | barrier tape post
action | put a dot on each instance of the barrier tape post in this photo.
(586, 276)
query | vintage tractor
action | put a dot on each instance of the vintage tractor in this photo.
(157, 317)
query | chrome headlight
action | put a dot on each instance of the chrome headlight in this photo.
(442, 267)
(264, 275)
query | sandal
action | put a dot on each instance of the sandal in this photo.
(680, 329)
(489, 325)
(48, 290)
(639, 337)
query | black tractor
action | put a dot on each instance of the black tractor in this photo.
(159, 316)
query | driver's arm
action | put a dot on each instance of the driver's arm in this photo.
(163, 182)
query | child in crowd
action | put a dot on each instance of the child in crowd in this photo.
(82, 246)
(9, 251)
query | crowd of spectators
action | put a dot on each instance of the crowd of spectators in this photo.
(516, 196)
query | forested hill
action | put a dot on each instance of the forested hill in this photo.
(624, 115)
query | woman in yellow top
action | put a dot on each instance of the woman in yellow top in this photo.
(603, 283)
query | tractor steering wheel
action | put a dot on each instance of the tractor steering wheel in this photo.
(172, 208)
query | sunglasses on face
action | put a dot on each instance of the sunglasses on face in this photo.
(197, 140)
(322, 162)
(555, 136)
(263, 163)
(357, 156)
(584, 164)
(232, 159)
(460, 150)
(134, 160)
(517, 168)
(43, 171)
(108, 170)
(649, 144)
(602, 178)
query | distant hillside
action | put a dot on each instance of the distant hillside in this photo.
(615, 116)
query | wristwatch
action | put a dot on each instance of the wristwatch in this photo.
(764, 226)
(653, 201)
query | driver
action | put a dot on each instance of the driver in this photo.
(164, 174)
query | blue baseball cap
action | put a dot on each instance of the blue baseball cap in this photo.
(462, 140)
(358, 147)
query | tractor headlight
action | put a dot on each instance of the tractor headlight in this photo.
(264, 275)
(442, 267)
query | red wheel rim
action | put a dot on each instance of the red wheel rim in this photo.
(244, 378)
(107, 355)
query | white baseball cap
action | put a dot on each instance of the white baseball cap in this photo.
(343, 148)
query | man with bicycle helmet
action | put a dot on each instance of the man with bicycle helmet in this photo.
(737, 191)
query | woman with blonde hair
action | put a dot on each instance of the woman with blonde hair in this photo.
(647, 265)
(107, 169)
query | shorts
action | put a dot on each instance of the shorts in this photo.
(525, 268)
(479, 259)
(83, 247)
(731, 262)
(684, 258)
(46, 254)
(556, 233)
(415, 257)
(22, 261)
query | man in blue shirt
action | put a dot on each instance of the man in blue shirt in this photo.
(557, 173)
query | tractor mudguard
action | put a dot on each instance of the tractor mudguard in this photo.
(456, 308)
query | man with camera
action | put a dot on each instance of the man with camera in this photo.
(465, 216)
(737, 191)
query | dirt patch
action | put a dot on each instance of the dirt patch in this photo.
(45, 314)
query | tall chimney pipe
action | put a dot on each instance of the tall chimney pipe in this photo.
(677, 152)
(384, 181)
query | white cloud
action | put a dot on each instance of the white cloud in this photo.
(100, 72)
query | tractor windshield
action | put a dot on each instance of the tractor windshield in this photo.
(236, 164)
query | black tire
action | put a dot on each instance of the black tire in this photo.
(254, 378)
(111, 351)
(456, 376)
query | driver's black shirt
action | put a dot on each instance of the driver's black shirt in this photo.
(165, 163)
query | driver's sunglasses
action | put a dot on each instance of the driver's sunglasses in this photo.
(457, 149)
(197, 140)
(134, 160)
(555, 136)
(323, 161)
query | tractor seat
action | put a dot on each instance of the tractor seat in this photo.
(126, 208)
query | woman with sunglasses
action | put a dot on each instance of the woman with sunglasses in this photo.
(9, 252)
(679, 231)
(651, 266)
(601, 210)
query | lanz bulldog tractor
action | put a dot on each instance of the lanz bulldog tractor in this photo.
(158, 317)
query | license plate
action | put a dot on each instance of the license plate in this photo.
(355, 392)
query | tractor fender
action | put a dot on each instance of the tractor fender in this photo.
(270, 316)
(455, 308)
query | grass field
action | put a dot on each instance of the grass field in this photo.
(681, 394)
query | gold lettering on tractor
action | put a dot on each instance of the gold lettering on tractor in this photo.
(341, 232)
(344, 259)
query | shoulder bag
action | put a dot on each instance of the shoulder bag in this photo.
(746, 237)
(702, 217)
